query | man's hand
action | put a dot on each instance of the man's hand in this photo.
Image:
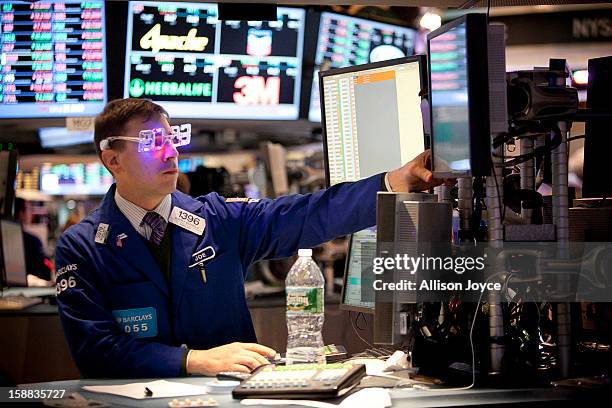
(242, 357)
(415, 175)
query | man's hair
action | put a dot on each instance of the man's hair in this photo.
(118, 113)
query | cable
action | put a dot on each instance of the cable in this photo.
(471, 344)
(536, 152)
(356, 332)
(360, 314)
(576, 137)
(488, 10)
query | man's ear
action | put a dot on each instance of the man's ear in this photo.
(111, 161)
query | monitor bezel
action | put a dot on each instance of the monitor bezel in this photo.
(478, 95)
(343, 305)
(419, 58)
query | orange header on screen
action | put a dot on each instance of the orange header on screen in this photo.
(375, 77)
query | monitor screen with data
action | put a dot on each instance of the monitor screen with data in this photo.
(357, 291)
(197, 66)
(372, 118)
(372, 123)
(53, 58)
(75, 179)
(345, 41)
(459, 98)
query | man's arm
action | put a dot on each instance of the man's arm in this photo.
(98, 346)
(277, 228)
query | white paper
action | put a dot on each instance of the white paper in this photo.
(367, 397)
(160, 389)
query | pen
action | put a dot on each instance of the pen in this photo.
(148, 392)
(203, 272)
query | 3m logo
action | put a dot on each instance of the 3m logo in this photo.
(257, 90)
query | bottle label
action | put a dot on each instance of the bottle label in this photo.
(304, 300)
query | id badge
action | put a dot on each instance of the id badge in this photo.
(137, 322)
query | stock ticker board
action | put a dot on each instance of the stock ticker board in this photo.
(52, 58)
(197, 66)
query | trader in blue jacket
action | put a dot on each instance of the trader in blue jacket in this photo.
(151, 283)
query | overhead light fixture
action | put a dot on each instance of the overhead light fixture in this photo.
(430, 21)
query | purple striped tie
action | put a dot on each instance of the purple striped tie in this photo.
(156, 222)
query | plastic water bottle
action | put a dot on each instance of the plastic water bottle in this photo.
(305, 311)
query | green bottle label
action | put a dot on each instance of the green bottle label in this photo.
(304, 300)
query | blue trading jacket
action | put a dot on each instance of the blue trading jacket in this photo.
(122, 318)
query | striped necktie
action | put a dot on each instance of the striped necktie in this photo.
(156, 222)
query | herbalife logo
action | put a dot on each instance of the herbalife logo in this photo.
(137, 88)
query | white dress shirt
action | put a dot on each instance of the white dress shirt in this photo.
(135, 214)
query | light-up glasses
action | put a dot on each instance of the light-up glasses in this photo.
(154, 139)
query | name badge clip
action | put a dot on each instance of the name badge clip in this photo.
(202, 256)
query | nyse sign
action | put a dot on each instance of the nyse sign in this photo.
(559, 28)
(592, 28)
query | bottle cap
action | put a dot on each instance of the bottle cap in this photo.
(305, 252)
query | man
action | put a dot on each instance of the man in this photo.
(151, 283)
(37, 263)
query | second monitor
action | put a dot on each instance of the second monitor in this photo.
(371, 116)
(372, 123)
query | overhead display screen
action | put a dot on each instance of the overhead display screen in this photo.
(53, 58)
(75, 179)
(346, 41)
(197, 66)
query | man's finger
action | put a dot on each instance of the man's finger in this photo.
(247, 361)
(423, 174)
(423, 157)
(258, 348)
(240, 368)
(260, 359)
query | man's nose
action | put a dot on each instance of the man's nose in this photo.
(169, 151)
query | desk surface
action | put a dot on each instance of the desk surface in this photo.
(259, 302)
(401, 398)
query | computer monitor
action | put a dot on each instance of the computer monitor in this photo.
(51, 137)
(13, 254)
(8, 175)
(597, 144)
(372, 118)
(197, 66)
(347, 41)
(459, 98)
(53, 58)
(365, 135)
(75, 179)
(357, 290)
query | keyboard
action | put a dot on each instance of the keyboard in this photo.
(18, 302)
(375, 352)
(301, 381)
